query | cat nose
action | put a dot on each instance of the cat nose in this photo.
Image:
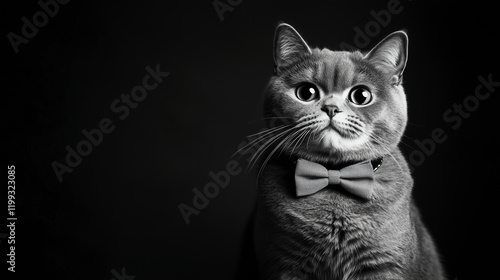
(330, 110)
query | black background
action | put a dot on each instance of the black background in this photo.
(119, 207)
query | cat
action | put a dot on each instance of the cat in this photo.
(336, 109)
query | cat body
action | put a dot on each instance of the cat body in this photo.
(332, 235)
(338, 108)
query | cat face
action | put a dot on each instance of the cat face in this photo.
(337, 106)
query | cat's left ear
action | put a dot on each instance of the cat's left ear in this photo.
(390, 54)
(288, 46)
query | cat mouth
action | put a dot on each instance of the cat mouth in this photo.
(341, 129)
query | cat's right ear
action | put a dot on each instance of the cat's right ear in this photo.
(391, 54)
(288, 46)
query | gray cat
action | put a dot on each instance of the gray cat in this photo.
(337, 110)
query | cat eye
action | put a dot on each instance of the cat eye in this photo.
(307, 92)
(360, 96)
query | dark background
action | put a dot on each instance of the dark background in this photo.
(119, 207)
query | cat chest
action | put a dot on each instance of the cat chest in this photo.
(339, 248)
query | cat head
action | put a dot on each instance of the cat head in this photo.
(336, 106)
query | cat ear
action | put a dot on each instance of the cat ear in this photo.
(288, 46)
(390, 54)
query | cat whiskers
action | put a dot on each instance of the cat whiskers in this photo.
(271, 138)
(293, 134)
(406, 144)
(308, 139)
(287, 119)
(260, 136)
(267, 136)
(355, 124)
(382, 143)
(300, 138)
(296, 136)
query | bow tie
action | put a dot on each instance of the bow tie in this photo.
(311, 177)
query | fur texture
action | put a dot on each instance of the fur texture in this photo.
(337, 108)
